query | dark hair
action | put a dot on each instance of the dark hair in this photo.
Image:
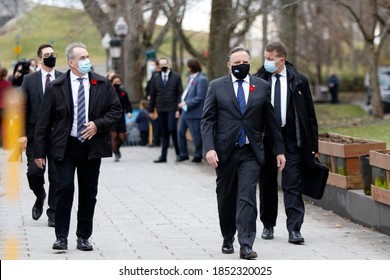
(115, 76)
(279, 47)
(41, 47)
(238, 49)
(3, 73)
(194, 65)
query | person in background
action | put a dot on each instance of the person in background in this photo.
(236, 111)
(165, 91)
(333, 86)
(33, 65)
(191, 106)
(143, 122)
(21, 69)
(118, 133)
(78, 110)
(33, 89)
(294, 108)
(4, 86)
(156, 129)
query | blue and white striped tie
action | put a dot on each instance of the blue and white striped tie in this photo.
(80, 110)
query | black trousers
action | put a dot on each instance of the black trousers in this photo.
(36, 179)
(291, 181)
(76, 158)
(167, 123)
(236, 195)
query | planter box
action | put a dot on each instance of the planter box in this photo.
(341, 154)
(380, 188)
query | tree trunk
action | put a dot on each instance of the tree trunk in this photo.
(376, 100)
(219, 38)
(288, 30)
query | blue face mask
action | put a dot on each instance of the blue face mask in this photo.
(84, 66)
(270, 65)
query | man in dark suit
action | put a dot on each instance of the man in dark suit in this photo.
(191, 111)
(292, 99)
(236, 111)
(77, 113)
(33, 88)
(165, 92)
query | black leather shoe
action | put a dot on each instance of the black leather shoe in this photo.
(60, 244)
(51, 222)
(37, 209)
(83, 244)
(268, 233)
(247, 253)
(160, 159)
(227, 246)
(182, 158)
(295, 237)
(196, 159)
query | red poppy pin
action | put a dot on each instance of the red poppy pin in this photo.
(93, 81)
(123, 93)
(192, 83)
(252, 88)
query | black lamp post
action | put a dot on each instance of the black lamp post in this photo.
(115, 53)
(121, 29)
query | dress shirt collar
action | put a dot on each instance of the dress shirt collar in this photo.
(246, 79)
(283, 73)
(73, 77)
(52, 74)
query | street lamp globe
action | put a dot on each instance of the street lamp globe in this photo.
(121, 28)
(106, 41)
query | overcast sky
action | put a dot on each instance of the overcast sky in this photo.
(197, 15)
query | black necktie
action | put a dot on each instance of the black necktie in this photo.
(47, 81)
(241, 102)
(165, 79)
(80, 110)
(277, 98)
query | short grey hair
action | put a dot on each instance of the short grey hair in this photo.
(69, 54)
(238, 49)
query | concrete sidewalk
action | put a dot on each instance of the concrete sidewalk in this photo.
(168, 211)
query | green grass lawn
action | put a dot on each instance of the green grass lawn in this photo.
(353, 121)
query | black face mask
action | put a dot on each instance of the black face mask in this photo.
(117, 86)
(164, 69)
(49, 61)
(240, 71)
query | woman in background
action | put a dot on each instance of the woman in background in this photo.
(118, 133)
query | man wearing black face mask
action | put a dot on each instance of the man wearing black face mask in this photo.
(33, 88)
(236, 111)
(165, 96)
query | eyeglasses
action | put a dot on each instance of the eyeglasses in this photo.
(46, 55)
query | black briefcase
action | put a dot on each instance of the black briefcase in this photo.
(314, 180)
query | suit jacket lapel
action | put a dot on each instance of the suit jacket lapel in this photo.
(92, 92)
(250, 94)
(38, 78)
(67, 91)
(229, 89)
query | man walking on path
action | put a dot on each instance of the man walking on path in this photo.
(236, 110)
(77, 112)
(33, 89)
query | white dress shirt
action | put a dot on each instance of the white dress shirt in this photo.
(283, 93)
(43, 77)
(75, 90)
(245, 86)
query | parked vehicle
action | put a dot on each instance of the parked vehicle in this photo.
(384, 87)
